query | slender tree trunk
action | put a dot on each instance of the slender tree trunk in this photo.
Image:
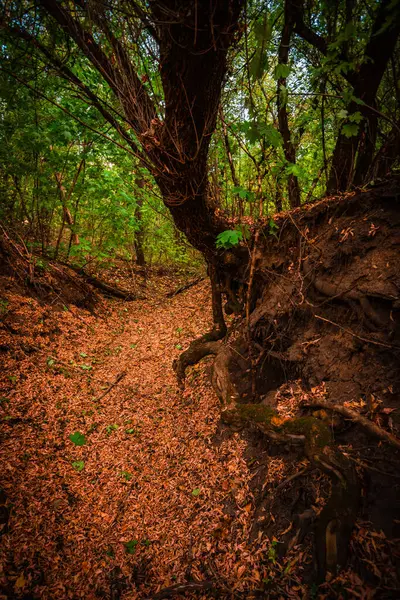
(387, 156)
(380, 47)
(283, 120)
(139, 235)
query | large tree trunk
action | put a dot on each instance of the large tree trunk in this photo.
(193, 63)
(193, 42)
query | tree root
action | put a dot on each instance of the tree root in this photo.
(368, 425)
(334, 291)
(197, 350)
(183, 288)
(334, 526)
(206, 344)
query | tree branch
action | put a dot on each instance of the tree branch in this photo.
(123, 81)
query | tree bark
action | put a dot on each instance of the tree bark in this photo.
(283, 120)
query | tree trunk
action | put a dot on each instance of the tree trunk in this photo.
(139, 235)
(380, 47)
(288, 146)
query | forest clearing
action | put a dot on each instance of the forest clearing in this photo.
(199, 299)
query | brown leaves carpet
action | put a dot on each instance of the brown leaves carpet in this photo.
(141, 505)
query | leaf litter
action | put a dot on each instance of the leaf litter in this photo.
(130, 484)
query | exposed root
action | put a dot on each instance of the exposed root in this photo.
(368, 425)
(196, 351)
(183, 588)
(334, 526)
(185, 287)
(206, 344)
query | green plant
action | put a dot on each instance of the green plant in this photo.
(77, 438)
(111, 428)
(3, 306)
(229, 239)
(130, 546)
(78, 465)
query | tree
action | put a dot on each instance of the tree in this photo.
(190, 43)
(355, 144)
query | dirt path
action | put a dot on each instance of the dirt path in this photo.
(149, 500)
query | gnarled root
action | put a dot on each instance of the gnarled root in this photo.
(335, 523)
(196, 351)
(368, 425)
(206, 344)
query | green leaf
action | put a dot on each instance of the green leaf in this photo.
(273, 227)
(178, 346)
(281, 71)
(229, 238)
(356, 117)
(293, 169)
(350, 130)
(78, 465)
(130, 547)
(258, 64)
(241, 192)
(50, 362)
(86, 367)
(83, 354)
(283, 94)
(77, 438)
(126, 475)
(196, 492)
(111, 428)
(342, 114)
(272, 136)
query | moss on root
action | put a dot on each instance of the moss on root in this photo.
(317, 434)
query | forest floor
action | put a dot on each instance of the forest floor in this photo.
(149, 492)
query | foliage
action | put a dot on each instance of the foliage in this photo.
(229, 238)
(77, 438)
(70, 186)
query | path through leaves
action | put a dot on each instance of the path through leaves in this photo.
(121, 495)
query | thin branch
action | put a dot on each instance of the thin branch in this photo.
(86, 125)
(357, 418)
(363, 339)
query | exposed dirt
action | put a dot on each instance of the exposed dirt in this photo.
(325, 328)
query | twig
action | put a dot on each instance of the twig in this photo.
(363, 339)
(291, 478)
(185, 287)
(365, 466)
(181, 588)
(110, 387)
(357, 418)
(248, 303)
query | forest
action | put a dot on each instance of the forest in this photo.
(199, 299)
